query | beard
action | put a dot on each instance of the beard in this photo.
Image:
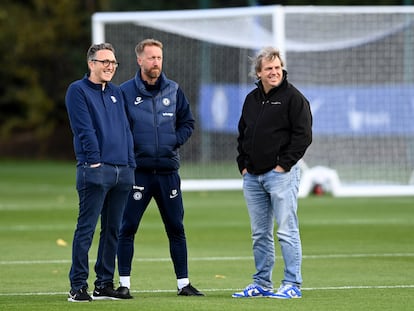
(153, 73)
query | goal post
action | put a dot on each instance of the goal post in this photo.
(355, 64)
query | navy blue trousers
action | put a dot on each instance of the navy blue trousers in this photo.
(103, 191)
(166, 191)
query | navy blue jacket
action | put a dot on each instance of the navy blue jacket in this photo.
(161, 121)
(101, 132)
(274, 128)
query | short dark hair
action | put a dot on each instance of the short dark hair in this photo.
(97, 47)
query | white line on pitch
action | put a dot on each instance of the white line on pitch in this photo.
(326, 256)
(406, 286)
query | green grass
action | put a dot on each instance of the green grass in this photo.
(358, 252)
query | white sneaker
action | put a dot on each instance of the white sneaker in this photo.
(288, 291)
(254, 290)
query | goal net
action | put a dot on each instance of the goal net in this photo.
(354, 64)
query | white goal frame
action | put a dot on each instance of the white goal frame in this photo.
(310, 176)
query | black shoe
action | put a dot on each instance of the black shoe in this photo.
(105, 293)
(123, 293)
(80, 295)
(189, 290)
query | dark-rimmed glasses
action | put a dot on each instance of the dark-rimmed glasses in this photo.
(106, 62)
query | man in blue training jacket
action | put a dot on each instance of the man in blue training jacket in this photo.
(105, 171)
(161, 122)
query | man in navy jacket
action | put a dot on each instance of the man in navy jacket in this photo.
(161, 122)
(105, 171)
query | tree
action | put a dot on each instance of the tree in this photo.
(44, 47)
(44, 43)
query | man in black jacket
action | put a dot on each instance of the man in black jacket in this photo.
(275, 129)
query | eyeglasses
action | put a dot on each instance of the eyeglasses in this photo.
(106, 62)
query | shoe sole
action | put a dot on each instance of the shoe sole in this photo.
(261, 296)
(74, 300)
(105, 298)
(284, 297)
(191, 295)
(258, 296)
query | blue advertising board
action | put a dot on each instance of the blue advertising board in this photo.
(345, 110)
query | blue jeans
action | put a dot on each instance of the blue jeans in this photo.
(102, 191)
(268, 196)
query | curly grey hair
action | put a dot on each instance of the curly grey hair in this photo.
(267, 53)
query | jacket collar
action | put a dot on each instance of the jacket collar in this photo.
(96, 86)
(141, 84)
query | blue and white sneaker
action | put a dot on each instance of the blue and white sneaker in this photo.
(288, 291)
(254, 290)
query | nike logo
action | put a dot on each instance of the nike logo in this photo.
(138, 100)
(174, 193)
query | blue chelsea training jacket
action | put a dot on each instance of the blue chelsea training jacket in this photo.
(161, 121)
(101, 132)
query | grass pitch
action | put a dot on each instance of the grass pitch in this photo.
(358, 253)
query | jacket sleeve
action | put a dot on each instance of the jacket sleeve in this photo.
(82, 124)
(130, 140)
(185, 120)
(300, 118)
(241, 157)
